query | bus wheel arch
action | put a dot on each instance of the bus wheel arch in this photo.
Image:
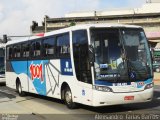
(66, 95)
(19, 87)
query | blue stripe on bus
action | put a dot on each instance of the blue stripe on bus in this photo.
(38, 77)
(31, 69)
(19, 67)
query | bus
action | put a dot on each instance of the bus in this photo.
(90, 64)
(2, 60)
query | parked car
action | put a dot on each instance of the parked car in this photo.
(156, 66)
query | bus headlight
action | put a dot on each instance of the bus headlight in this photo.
(102, 88)
(148, 86)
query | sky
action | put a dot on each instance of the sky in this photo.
(16, 16)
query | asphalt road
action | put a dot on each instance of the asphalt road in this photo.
(42, 108)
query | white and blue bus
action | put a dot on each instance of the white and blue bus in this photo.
(2, 64)
(94, 64)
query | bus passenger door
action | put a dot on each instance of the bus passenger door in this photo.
(82, 66)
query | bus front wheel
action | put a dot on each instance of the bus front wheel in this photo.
(68, 99)
(19, 89)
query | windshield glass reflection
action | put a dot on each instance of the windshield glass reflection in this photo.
(121, 54)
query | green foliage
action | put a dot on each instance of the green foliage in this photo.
(72, 24)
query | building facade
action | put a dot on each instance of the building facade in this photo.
(148, 16)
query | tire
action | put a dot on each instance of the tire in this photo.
(19, 89)
(68, 99)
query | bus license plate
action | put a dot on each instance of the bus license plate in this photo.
(129, 98)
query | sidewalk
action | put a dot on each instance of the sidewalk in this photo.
(157, 78)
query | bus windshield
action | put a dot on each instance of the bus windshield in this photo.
(121, 54)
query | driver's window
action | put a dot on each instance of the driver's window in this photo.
(81, 56)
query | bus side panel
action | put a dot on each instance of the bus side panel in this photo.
(31, 88)
(36, 75)
(57, 72)
(52, 74)
(17, 70)
(11, 79)
(9, 72)
(82, 92)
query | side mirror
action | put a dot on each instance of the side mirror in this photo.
(91, 54)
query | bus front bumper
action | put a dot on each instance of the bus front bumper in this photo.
(101, 98)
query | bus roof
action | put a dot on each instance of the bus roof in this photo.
(76, 27)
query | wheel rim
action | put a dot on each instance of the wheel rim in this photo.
(68, 97)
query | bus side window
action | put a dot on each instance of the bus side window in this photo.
(9, 52)
(25, 50)
(17, 51)
(63, 47)
(49, 46)
(14, 51)
(32, 49)
(36, 49)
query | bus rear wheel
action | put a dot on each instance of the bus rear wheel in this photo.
(19, 89)
(68, 99)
